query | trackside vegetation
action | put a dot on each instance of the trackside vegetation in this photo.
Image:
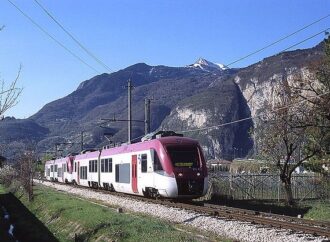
(320, 210)
(69, 218)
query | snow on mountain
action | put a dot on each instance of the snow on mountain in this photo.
(207, 65)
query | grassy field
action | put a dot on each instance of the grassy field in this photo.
(320, 210)
(68, 217)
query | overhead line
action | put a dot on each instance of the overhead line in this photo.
(250, 118)
(52, 37)
(72, 37)
(311, 37)
(277, 41)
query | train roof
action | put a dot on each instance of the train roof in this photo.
(49, 162)
(125, 148)
(154, 143)
(57, 161)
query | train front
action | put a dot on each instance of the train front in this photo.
(184, 162)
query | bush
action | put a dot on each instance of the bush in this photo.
(7, 175)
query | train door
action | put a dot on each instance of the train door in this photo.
(134, 174)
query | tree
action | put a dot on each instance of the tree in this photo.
(26, 171)
(296, 126)
(9, 94)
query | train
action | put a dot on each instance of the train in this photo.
(162, 164)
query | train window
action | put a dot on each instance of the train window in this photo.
(123, 173)
(75, 167)
(157, 164)
(102, 165)
(184, 156)
(106, 165)
(51, 168)
(144, 163)
(83, 172)
(93, 166)
(110, 165)
(55, 169)
(48, 172)
(117, 173)
(59, 172)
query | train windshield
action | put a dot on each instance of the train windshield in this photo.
(184, 156)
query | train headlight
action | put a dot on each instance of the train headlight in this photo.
(180, 174)
(198, 174)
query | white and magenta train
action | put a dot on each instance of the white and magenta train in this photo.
(171, 166)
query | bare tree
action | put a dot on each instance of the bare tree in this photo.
(297, 127)
(9, 95)
(26, 171)
(317, 83)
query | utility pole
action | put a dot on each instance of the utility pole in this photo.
(129, 92)
(129, 120)
(147, 115)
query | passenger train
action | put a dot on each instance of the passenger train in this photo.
(163, 164)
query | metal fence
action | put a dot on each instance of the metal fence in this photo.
(268, 186)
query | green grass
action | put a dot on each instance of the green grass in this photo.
(2, 189)
(320, 210)
(66, 215)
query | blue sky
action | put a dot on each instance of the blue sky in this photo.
(157, 32)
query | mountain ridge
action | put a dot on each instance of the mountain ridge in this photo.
(182, 97)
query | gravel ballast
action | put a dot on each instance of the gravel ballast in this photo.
(236, 230)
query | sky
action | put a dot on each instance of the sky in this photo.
(125, 32)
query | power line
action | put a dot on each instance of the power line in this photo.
(73, 38)
(311, 37)
(52, 37)
(250, 118)
(277, 41)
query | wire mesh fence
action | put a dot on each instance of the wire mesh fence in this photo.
(268, 186)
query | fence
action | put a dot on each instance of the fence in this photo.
(268, 186)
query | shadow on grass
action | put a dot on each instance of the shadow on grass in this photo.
(27, 226)
(266, 206)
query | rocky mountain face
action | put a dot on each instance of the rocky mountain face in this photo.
(191, 98)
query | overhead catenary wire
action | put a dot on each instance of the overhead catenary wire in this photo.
(277, 41)
(250, 118)
(311, 37)
(72, 37)
(52, 37)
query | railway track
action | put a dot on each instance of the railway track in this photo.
(315, 228)
(271, 220)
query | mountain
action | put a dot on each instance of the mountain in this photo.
(208, 66)
(193, 97)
